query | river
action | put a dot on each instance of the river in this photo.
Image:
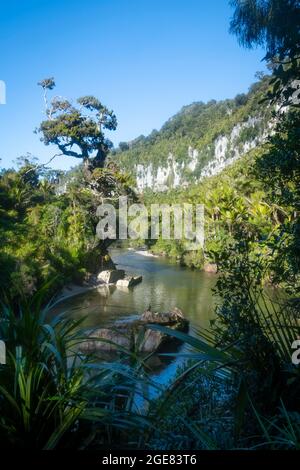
(165, 285)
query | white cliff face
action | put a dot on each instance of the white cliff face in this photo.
(226, 150)
(144, 177)
(161, 178)
(193, 156)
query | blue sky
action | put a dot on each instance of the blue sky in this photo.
(145, 59)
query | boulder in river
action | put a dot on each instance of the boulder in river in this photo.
(175, 316)
(110, 276)
(135, 333)
(129, 281)
(211, 268)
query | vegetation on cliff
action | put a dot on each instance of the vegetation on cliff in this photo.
(239, 387)
(198, 126)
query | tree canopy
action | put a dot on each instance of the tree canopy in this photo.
(78, 131)
(274, 24)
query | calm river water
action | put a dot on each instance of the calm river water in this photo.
(165, 285)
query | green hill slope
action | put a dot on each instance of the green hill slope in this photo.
(201, 140)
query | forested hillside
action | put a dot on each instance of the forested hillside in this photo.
(79, 375)
(201, 140)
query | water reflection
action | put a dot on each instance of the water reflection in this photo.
(165, 285)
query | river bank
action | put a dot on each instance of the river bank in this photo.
(96, 282)
(165, 285)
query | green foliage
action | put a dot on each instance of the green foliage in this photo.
(193, 415)
(280, 432)
(278, 168)
(233, 198)
(193, 259)
(261, 23)
(256, 22)
(197, 125)
(51, 395)
(248, 134)
(78, 132)
(45, 235)
(238, 387)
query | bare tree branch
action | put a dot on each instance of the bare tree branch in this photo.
(42, 165)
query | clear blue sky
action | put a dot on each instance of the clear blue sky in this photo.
(145, 59)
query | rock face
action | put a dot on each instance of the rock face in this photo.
(221, 152)
(135, 335)
(211, 268)
(129, 281)
(175, 316)
(111, 276)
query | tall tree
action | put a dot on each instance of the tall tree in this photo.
(274, 24)
(78, 131)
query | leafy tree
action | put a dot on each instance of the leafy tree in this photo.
(279, 170)
(123, 146)
(77, 131)
(274, 24)
(270, 23)
(28, 170)
(240, 99)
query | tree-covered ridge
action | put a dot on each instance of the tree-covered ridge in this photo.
(198, 126)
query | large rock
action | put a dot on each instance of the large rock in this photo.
(211, 268)
(129, 281)
(152, 340)
(105, 337)
(164, 318)
(110, 276)
(135, 334)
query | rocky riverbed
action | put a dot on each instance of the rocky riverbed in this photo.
(136, 334)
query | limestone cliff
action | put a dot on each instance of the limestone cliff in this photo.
(199, 141)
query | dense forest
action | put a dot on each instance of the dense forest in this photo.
(238, 387)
